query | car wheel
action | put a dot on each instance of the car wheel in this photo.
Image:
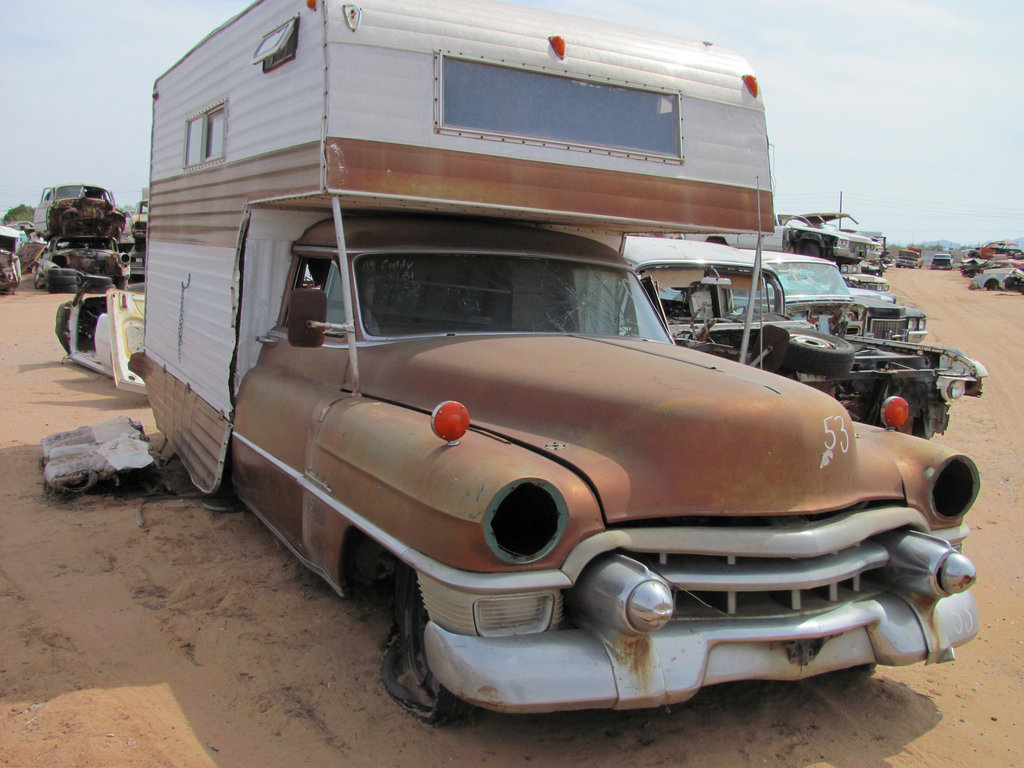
(814, 352)
(404, 670)
(992, 285)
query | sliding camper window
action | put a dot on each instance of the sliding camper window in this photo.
(494, 100)
(204, 135)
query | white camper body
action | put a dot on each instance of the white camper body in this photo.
(392, 105)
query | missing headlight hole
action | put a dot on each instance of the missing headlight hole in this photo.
(526, 522)
(954, 489)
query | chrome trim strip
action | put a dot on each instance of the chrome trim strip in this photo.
(466, 581)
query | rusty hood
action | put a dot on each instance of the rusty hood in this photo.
(657, 430)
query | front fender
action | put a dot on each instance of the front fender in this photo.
(383, 462)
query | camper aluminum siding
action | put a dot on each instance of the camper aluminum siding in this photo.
(271, 147)
(360, 112)
(388, 136)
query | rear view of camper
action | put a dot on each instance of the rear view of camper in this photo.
(387, 307)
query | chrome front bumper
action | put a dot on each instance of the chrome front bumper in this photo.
(577, 669)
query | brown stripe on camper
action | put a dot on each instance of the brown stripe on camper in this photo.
(205, 205)
(379, 168)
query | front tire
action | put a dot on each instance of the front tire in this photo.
(405, 670)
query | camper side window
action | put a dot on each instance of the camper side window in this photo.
(204, 135)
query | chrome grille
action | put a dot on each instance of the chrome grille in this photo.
(889, 329)
(707, 587)
(783, 566)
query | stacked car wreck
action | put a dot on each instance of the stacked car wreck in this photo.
(394, 313)
(83, 227)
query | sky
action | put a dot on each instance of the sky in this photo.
(906, 113)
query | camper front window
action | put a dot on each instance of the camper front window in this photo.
(494, 99)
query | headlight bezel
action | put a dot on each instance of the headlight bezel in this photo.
(505, 531)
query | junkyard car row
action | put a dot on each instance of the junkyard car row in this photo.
(516, 427)
(834, 341)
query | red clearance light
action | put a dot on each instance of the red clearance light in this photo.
(895, 412)
(558, 45)
(751, 82)
(311, 4)
(450, 420)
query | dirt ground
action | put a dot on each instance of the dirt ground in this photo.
(197, 640)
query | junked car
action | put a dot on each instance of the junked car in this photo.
(1001, 249)
(102, 332)
(66, 261)
(859, 280)
(910, 258)
(810, 234)
(79, 209)
(705, 289)
(10, 264)
(816, 291)
(1001, 277)
(941, 261)
(543, 492)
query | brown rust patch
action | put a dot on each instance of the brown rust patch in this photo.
(633, 652)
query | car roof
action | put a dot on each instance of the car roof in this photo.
(643, 250)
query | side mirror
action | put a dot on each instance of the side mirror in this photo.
(307, 313)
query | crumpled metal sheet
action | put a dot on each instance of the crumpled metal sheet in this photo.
(77, 460)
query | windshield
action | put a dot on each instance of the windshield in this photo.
(810, 279)
(434, 293)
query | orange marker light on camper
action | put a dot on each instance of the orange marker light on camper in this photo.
(557, 45)
(751, 82)
(895, 412)
(450, 420)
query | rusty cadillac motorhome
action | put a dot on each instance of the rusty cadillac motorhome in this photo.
(387, 307)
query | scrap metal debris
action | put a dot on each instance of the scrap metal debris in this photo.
(78, 460)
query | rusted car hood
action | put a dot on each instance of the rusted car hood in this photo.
(682, 434)
(85, 216)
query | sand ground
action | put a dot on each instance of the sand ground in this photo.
(197, 640)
